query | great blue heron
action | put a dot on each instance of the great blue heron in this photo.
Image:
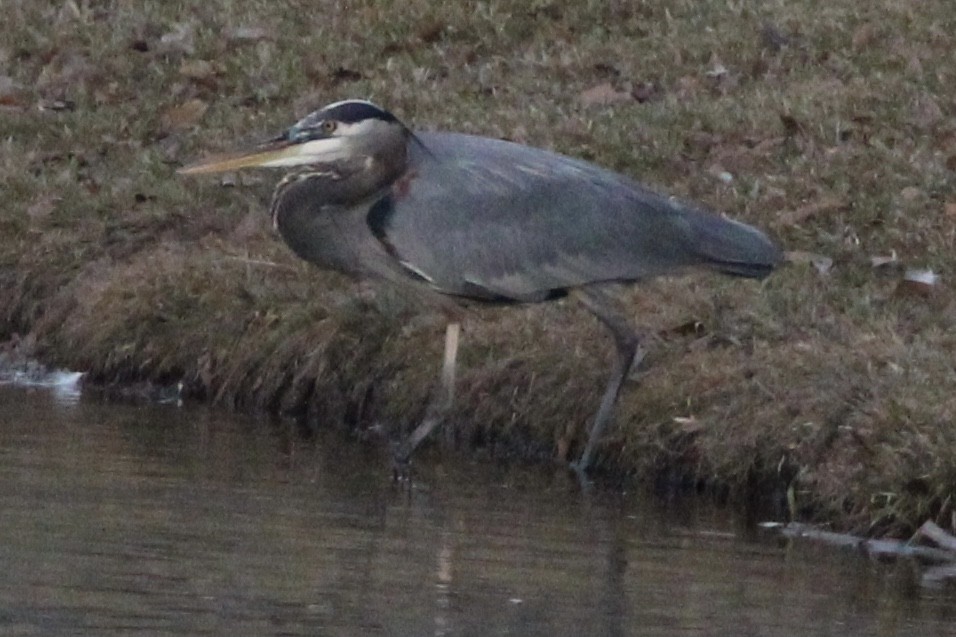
(457, 218)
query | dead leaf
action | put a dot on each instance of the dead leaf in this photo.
(759, 67)
(717, 69)
(42, 207)
(914, 66)
(247, 34)
(519, 135)
(229, 180)
(722, 81)
(562, 448)
(810, 210)
(197, 69)
(717, 72)
(254, 223)
(183, 116)
(12, 103)
(182, 39)
(926, 112)
(689, 425)
(718, 171)
(645, 92)
(688, 328)
(603, 95)
(763, 147)
(699, 143)
(111, 93)
(884, 261)
(65, 72)
(823, 264)
(917, 282)
(431, 31)
(8, 86)
(342, 74)
(687, 87)
(951, 163)
(910, 193)
(773, 38)
(607, 70)
(12, 96)
(791, 125)
(56, 105)
(864, 36)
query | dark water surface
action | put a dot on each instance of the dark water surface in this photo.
(160, 520)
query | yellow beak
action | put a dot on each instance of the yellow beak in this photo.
(269, 153)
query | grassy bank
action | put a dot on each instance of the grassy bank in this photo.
(831, 124)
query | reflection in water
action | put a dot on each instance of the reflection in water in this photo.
(149, 520)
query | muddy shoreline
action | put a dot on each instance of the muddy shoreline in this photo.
(829, 386)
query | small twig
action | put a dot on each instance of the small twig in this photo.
(896, 548)
(876, 548)
(935, 533)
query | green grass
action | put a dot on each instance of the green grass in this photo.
(835, 120)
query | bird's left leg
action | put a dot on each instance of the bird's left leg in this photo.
(629, 354)
(434, 414)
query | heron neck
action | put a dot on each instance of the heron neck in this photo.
(382, 167)
(368, 170)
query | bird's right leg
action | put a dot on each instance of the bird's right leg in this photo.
(435, 413)
(452, 334)
(629, 354)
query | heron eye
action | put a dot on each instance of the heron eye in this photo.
(328, 126)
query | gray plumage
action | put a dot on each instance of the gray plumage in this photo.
(487, 219)
(458, 217)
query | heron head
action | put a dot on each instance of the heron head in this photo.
(337, 134)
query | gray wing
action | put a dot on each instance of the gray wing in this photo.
(488, 218)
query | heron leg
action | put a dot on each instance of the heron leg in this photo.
(452, 334)
(629, 354)
(434, 414)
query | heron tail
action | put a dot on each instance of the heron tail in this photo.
(732, 247)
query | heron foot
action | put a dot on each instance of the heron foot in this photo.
(436, 410)
(580, 469)
(401, 460)
(402, 451)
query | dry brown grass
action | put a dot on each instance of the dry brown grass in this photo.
(835, 120)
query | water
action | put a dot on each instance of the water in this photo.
(161, 520)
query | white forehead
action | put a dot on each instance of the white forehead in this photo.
(329, 107)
